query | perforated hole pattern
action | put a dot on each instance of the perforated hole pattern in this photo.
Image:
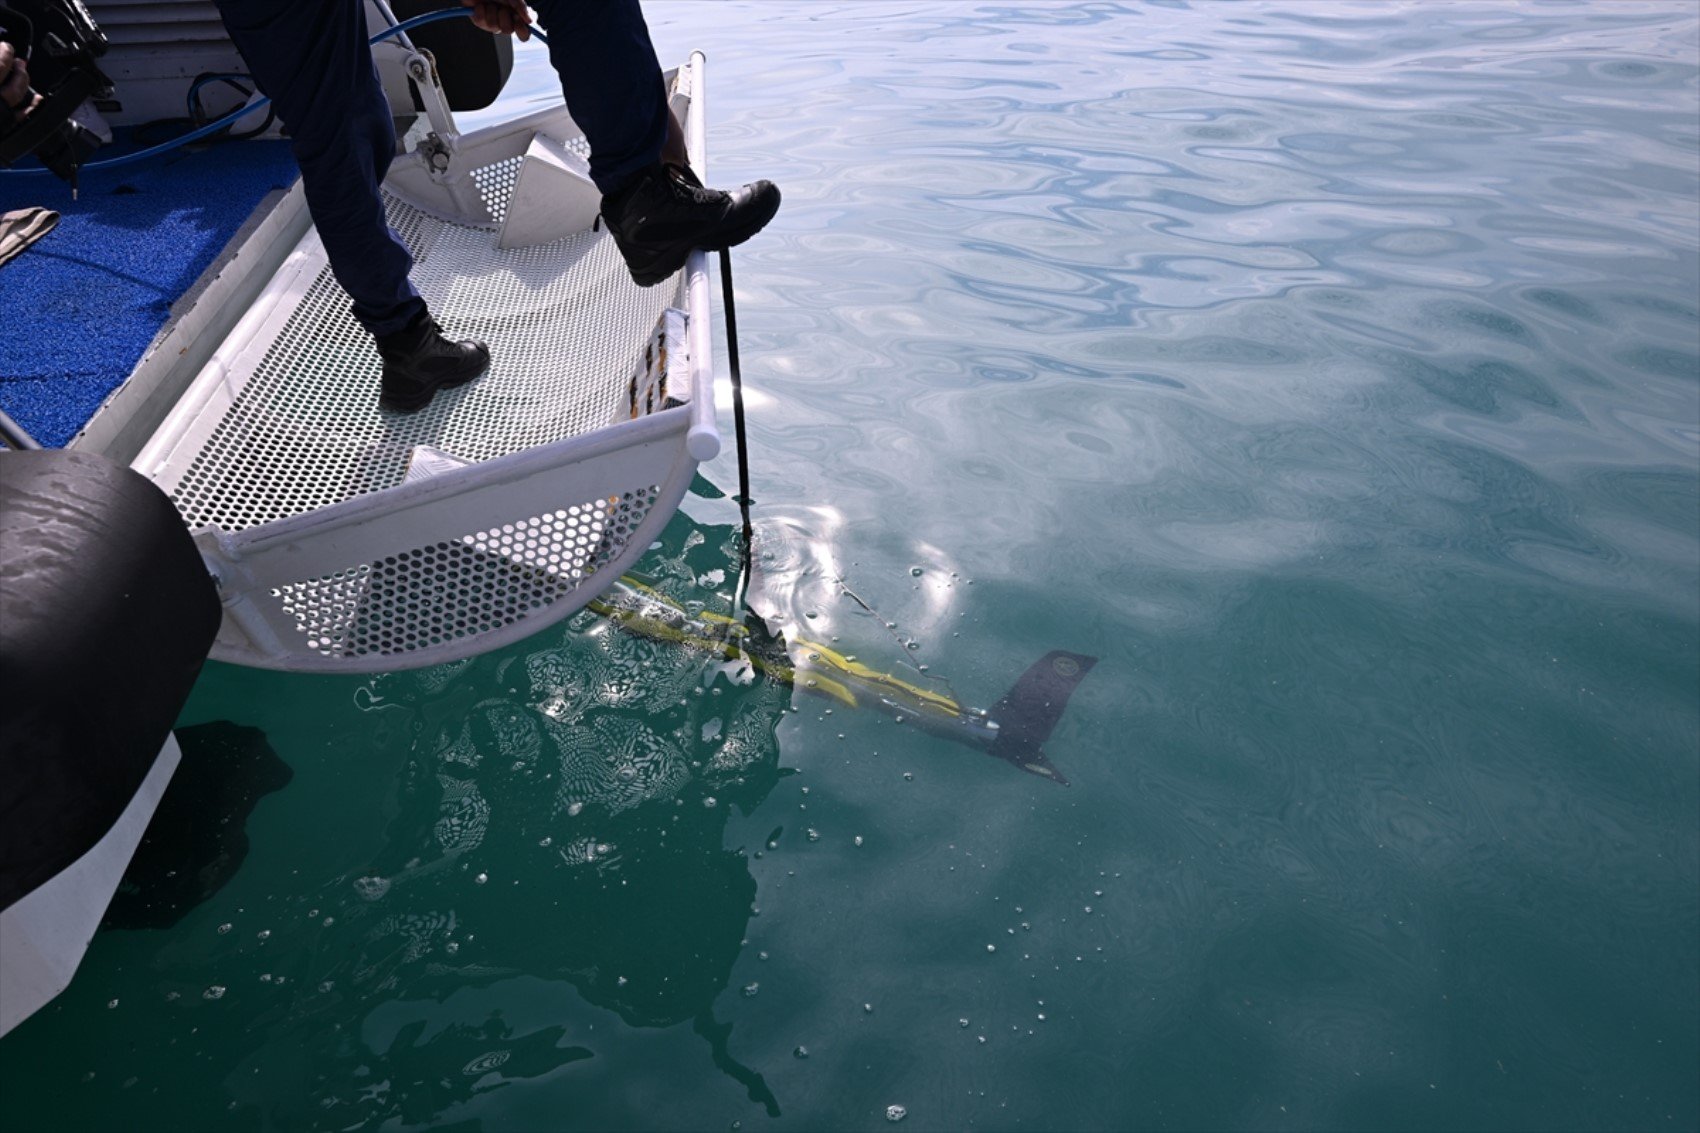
(496, 184)
(431, 595)
(496, 181)
(564, 323)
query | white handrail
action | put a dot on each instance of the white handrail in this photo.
(703, 439)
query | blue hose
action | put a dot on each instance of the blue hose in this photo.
(214, 127)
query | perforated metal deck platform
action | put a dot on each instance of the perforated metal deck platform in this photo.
(329, 555)
(564, 323)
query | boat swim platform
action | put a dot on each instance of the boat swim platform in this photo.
(344, 537)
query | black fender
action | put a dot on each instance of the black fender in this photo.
(106, 616)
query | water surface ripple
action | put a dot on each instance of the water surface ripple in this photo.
(1328, 370)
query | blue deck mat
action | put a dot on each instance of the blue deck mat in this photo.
(80, 306)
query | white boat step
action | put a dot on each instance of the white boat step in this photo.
(532, 488)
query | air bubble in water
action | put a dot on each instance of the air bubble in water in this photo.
(482, 878)
(914, 572)
(371, 888)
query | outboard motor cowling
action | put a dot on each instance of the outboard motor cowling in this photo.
(106, 615)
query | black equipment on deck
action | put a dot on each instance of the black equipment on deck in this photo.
(61, 43)
(472, 64)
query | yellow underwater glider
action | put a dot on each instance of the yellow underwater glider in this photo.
(1014, 729)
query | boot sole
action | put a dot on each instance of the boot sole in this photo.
(662, 266)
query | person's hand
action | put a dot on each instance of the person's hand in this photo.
(501, 17)
(15, 81)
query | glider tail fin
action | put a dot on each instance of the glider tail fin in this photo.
(1029, 711)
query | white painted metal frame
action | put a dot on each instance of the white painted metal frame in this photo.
(549, 527)
(44, 933)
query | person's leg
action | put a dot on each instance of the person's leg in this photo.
(313, 59)
(612, 83)
(656, 209)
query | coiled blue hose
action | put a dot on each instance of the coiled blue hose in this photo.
(214, 127)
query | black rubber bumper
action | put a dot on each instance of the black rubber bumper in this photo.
(106, 615)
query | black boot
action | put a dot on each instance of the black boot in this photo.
(419, 361)
(664, 213)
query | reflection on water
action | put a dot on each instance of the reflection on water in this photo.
(198, 838)
(1327, 371)
(584, 785)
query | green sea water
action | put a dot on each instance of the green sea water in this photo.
(1329, 371)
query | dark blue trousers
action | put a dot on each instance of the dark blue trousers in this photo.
(312, 58)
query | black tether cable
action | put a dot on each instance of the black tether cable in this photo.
(737, 423)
